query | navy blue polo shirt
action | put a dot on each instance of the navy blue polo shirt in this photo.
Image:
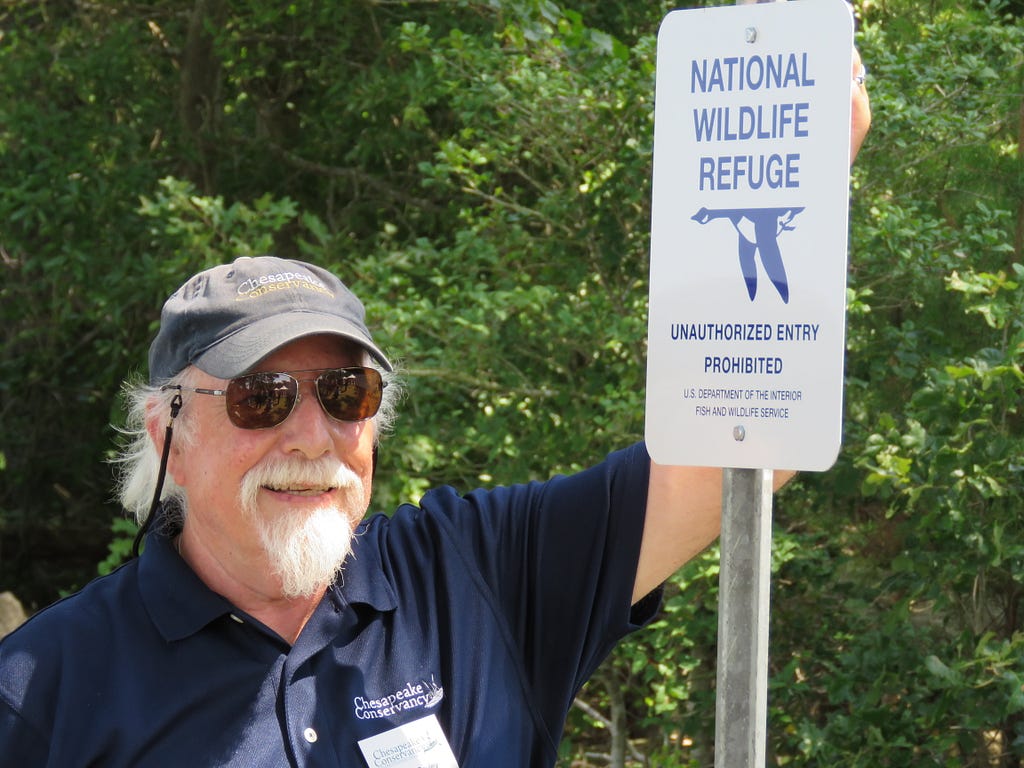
(488, 611)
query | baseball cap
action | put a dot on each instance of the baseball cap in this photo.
(226, 319)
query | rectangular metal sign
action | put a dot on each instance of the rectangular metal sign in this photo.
(749, 236)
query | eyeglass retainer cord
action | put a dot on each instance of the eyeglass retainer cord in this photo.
(176, 403)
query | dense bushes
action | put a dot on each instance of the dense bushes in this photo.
(479, 173)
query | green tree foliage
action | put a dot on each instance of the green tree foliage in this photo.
(478, 171)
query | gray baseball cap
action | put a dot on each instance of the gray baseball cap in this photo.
(226, 319)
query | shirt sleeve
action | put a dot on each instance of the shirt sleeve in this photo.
(559, 560)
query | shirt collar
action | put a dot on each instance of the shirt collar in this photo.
(177, 600)
(363, 579)
(180, 604)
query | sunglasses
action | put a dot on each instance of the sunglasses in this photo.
(264, 400)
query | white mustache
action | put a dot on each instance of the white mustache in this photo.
(298, 474)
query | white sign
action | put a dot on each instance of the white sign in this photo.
(749, 235)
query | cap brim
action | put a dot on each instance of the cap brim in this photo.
(241, 351)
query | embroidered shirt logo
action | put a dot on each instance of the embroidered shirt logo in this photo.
(423, 695)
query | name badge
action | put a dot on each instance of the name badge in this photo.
(419, 744)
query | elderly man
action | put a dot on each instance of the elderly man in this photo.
(266, 623)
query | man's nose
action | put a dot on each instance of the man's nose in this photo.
(308, 427)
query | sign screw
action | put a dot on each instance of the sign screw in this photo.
(750, 34)
(739, 433)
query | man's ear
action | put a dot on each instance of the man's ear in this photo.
(156, 425)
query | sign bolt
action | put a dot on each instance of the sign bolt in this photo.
(739, 433)
(750, 34)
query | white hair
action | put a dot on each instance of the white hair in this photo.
(137, 463)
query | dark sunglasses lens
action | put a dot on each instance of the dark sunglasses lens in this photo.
(260, 400)
(350, 394)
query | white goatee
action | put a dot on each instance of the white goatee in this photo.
(307, 548)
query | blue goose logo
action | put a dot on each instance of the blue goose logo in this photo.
(758, 230)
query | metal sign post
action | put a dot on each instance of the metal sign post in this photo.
(744, 587)
(741, 706)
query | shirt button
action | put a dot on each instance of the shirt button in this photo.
(309, 735)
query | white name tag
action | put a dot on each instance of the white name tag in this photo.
(419, 744)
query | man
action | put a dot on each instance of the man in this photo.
(265, 625)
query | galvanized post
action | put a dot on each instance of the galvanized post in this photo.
(741, 711)
(741, 702)
(741, 699)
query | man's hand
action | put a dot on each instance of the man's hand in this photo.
(860, 114)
